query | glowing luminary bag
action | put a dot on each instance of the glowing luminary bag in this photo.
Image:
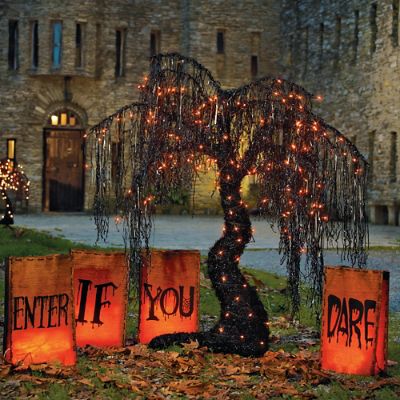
(39, 316)
(100, 295)
(169, 293)
(355, 321)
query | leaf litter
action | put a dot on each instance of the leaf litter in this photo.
(189, 372)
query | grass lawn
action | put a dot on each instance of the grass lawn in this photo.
(289, 370)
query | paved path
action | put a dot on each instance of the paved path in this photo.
(176, 232)
(185, 232)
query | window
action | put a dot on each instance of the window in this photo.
(11, 147)
(395, 23)
(13, 62)
(220, 42)
(79, 39)
(35, 44)
(373, 27)
(116, 151)
(63, 118)
(371, 144)
(306, 50)
(255, 39)
(338, 39)
(155, 43)
(321, 44)
(56, 44)
(291, 49)
(120, 52)
(393, 157)
(99, 51)
(356, 35)
(254, 66)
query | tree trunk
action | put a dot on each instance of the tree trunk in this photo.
(8, 218)
(243, 325)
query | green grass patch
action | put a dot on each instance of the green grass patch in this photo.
(21, 242)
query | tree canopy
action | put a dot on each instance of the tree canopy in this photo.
(312, 179)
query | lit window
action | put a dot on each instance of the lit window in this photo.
(120, 35)
(220, 42)
(63, 119)
(13, 62)
(57, 44)
(35, 44)
(11, 147)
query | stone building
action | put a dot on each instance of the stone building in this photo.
(65, 65)
(348, 50)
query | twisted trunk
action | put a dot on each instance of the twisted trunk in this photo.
(243, 325)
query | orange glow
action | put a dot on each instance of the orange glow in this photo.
(40, 324)
(36, 346)
(100, 298)
(355, 321)
(169, 298)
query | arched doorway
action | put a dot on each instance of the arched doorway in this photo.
(64, 155)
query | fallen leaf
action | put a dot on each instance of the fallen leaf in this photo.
(5, 370)
(189, 387)
(240, 379)
(384, 382)
(105, 379)
(140, 383)
(138, 350)
(86, 382)
(173, 355)
(192, 345)
(32, 379)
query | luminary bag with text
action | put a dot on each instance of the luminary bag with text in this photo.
(101, 295)
(169, 293)
(39, 314)
(355, 321)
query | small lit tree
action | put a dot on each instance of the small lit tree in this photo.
(12, 179)
(312, 182)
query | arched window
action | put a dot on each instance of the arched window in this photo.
(64, 119)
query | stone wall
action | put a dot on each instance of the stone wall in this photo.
(348, 51)
(29, 96)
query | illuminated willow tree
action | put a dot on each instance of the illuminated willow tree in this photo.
(311, 179)
(12, 179)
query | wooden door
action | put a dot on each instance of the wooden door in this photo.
(63, 175)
